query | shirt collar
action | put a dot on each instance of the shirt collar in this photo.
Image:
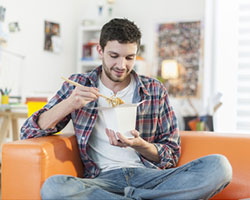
(140, 86)
(93, 76)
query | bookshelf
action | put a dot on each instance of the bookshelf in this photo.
(87, 56)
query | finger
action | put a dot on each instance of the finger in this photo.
(88, 99)
(84, 97)
(122, 138)
(86, 89)
(125, 141)
(82, 101)
(108, 134)
(86, 92)
(135, 133)
(113, 137)
(92, 90)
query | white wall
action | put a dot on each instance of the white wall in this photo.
(42, 70)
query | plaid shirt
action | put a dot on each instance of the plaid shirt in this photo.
(155, 120)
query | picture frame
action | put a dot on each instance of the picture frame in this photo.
(52, 40)
(181, 42)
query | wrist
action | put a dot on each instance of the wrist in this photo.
(142, 145)
(68, 105)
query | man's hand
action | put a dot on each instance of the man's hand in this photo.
(81, 96)
(122, 141)
(145, 148)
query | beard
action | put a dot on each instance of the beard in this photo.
(108, 73)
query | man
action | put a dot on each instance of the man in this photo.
(122, 168)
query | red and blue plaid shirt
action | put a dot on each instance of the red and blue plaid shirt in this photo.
(155, 120)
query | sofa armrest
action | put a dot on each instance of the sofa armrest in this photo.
(26, 164)
(234, 146)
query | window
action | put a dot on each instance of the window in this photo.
(227, 24)
(243, 69)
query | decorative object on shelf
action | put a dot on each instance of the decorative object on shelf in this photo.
(89, 51)
(105, 10)
(14, 27)
(100, 6)
(52, 40)
(110, 8)
(198, 122)
(5, 95)
(179, 55)
(201, 123)
(4, 99)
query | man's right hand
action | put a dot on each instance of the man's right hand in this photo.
(81, 96)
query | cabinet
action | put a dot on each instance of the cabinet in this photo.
(87, 56)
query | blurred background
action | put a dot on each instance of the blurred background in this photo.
(199, 49)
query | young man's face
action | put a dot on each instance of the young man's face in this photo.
(118, 59)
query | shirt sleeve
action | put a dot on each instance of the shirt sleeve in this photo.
(31, 129)
(167, 138)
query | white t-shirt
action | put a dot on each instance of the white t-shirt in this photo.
(105, 155)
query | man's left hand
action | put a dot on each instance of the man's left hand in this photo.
(145, 148)
(123, 141)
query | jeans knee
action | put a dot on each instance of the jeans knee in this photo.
(46, 190)
(52, 187)
(224, 167)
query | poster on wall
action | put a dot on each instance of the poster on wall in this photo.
(179, 57)
(52, 40)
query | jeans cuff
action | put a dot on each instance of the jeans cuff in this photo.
(128, 192)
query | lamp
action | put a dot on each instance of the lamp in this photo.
(171, 72)
(169, 69)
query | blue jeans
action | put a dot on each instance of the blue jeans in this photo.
(199, 179)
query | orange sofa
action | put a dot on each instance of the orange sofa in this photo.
(28, 163)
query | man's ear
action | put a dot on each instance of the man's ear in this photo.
(99, 50)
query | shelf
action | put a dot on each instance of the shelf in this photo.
(87, 35)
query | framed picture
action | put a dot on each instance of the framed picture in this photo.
(52, 40)
(179, 51)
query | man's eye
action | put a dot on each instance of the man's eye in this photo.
(130, 58)
(113, 56)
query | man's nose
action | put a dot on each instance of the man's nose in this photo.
(122, 63)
